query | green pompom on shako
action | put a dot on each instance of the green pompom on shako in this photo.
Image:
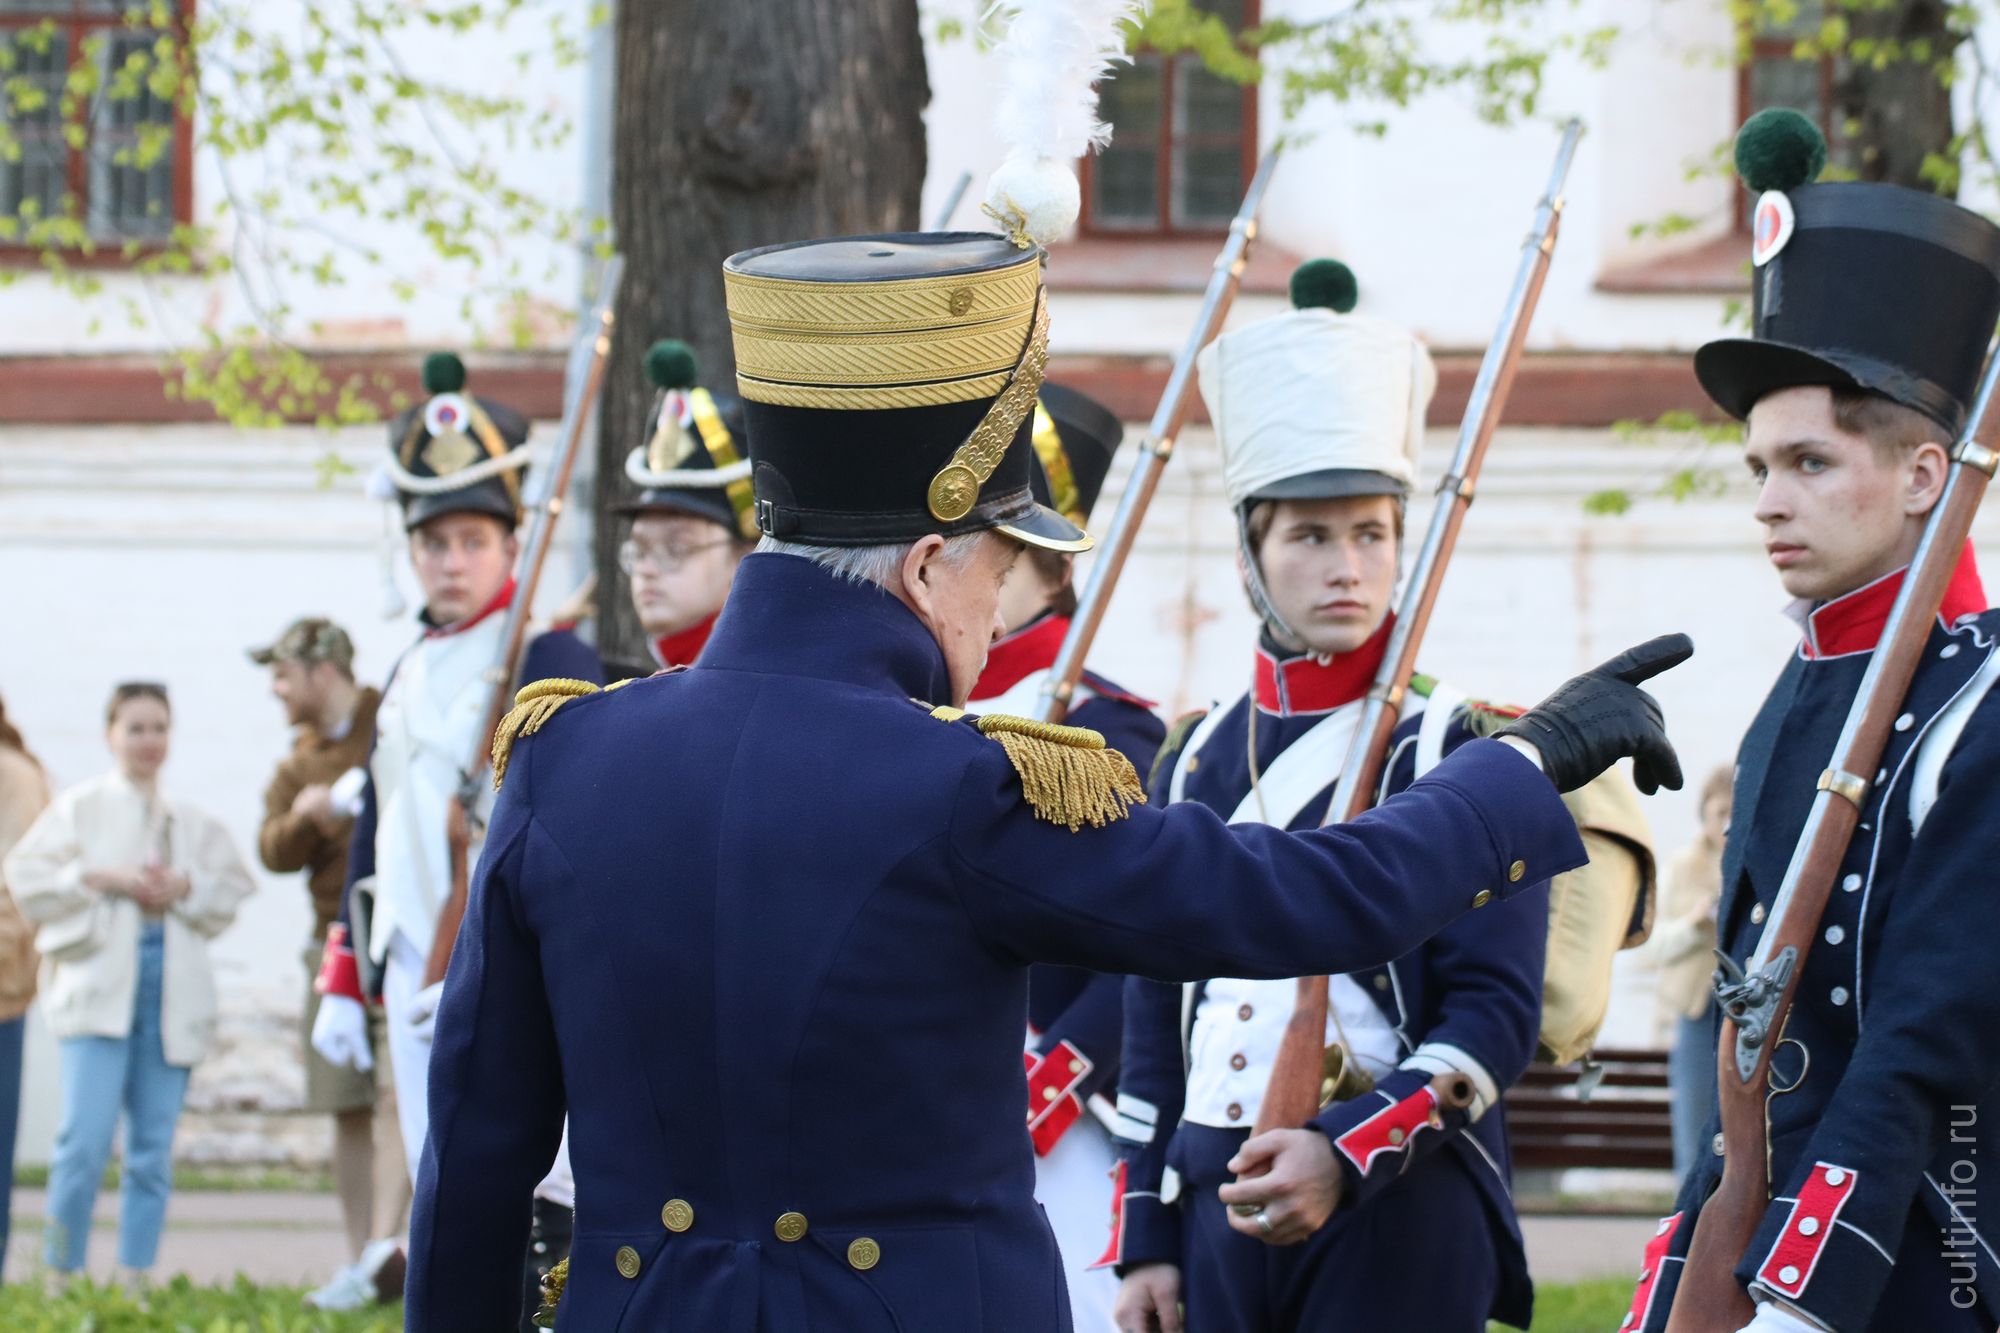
(670, 364)
(1779, 149)
(1325, 283)
(443, 373)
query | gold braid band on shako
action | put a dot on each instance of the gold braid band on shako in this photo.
(1068, 774)
(955, 489)
(886, 384)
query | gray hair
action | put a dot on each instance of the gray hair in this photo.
(879, 565)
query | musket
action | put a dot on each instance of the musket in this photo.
(1054, 700)
(1757, 998)
(1293, 1095)
(952, 201)
(544, 510)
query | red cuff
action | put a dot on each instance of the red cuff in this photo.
(1053, 1103)
(1390, 1129)
(1792, 1260)
(1649, 1273)
(338, 973)
(1114, 1253)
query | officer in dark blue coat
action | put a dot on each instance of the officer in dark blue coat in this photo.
(457, 465)
(1875, 305)
(776, 970)
(1074, 1016)
(1320, 415)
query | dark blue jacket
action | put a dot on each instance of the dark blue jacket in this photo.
(1475, 987)
(762, 929)
(1078, 1016)
(1894, 1033)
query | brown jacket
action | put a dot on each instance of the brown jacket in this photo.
(24, 791)
(289, 842)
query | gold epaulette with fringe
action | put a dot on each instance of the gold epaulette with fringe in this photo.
(1068, 774)
(535, 704)
(552, 1286)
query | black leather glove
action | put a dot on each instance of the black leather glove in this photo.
(1602, 716)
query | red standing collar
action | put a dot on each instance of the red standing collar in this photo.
(501, 601)
(1854, 623)
(1308, 684)
(1028, 649)
(680, 648)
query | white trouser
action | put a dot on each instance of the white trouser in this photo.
(410, 1060)
(409, 1054)
(1073, 1185)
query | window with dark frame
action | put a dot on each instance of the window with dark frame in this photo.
(1773, 74)
(99, 176)
(1183, 144)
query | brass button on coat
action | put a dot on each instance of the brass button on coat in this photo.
(1516, 872)
(791, 1227)
(1483, 897)
(863, 1254)
(1238, 1061)
(627, 1260)
(678, 1215)
(1235, 1111)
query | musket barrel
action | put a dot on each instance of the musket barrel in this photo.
(1361, 770)
(1158, 448)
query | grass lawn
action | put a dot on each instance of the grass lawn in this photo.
(1590, 1307)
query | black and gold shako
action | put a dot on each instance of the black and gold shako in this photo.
(693, 460)
(889, 387)
(456, 453)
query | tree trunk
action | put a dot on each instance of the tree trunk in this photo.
(1892, 118)
(740, 123)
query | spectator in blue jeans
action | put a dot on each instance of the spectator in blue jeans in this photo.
(24, 792)
(128, 886)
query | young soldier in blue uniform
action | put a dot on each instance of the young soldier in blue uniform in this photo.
(1074, 1016)
(1874, 308)
(782, 999)
(457, 465)
(692, 522)
(1320, 416)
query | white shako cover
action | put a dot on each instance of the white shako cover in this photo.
(1312, 390)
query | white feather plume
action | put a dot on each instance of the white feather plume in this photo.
(1055, 52)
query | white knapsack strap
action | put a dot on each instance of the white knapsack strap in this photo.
(1440, 707)
(1024, 697)
(1928, 771)
(1203, 730)
(1305, 769)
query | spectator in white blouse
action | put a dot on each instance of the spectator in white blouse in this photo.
(127, 885)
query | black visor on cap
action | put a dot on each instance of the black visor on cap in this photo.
(710, 503)
(489, 497)
(1334, 483)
